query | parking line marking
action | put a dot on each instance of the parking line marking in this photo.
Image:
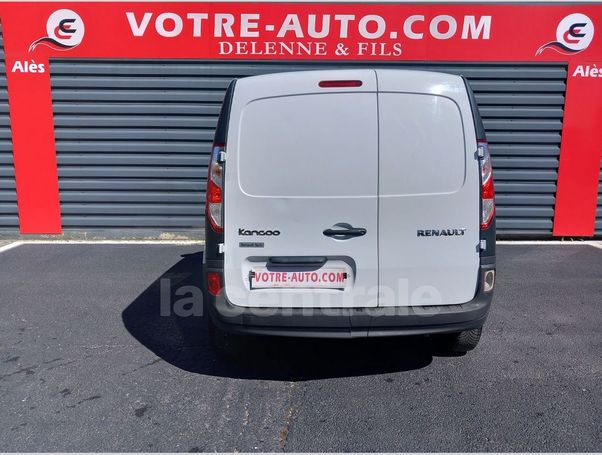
(112, 242)
(10, 246)
(594, 243)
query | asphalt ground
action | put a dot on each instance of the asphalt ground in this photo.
(88, 363)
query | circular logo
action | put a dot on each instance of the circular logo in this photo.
(575, 31)
(66, 27)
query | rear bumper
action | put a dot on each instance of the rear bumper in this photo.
(350, 322)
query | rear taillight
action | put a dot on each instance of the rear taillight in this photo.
(214, 283)
(487, 190)
(215, 185)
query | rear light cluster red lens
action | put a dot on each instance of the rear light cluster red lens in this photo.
(348, 83)
(214, 283)
(215, 184)
(487, 189)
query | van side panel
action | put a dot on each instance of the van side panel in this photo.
(212, 238)
(428, 191)
(487, 235)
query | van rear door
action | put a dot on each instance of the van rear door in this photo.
(428, 190)
(300, 194)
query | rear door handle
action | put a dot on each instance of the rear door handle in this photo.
(344, 233)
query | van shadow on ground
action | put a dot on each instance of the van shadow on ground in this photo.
(183, 342)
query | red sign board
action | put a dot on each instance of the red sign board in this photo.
(35, 32)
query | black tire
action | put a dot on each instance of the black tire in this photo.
(227, 344)
(462, 342)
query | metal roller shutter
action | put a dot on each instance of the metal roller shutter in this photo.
(9, 218)
(133, 137)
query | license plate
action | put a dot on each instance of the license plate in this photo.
(325, 278)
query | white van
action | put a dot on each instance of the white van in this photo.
(350, 203)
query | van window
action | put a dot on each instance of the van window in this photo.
(421, 141)
(315, 145)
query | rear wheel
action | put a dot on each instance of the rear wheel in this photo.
(462, 342)
(227, 344)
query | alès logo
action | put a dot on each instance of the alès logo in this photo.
(65, 30)
(573, 35)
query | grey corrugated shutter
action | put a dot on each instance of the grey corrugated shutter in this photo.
(133, 137)
(9, 219)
